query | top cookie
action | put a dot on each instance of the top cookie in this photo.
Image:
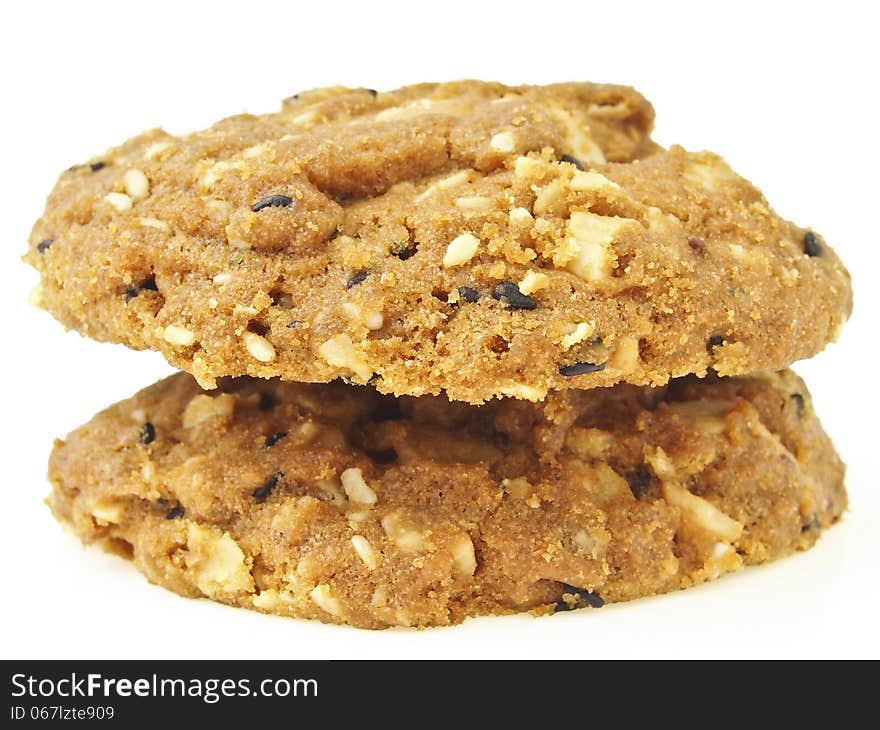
(468, 237)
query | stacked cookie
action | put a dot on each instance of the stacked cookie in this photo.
(452, 349)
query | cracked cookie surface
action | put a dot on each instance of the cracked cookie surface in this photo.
(468, 237)
(336, 503)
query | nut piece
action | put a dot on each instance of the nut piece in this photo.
(461, 250)
(202, 407)
(403, 536)
(581, 331)
(259, 347)
(120, 201)
(176, 335)
(702, 513)
(217, 562)
(522, 391)
(626, 355)
(339, 351)
(107, 512)
(463, 554)
(520, 216)
(356, 488)
(519, 487)
(325, 600)
(365, 551)
(136, 184)
(589, 181)
(587, 251)
(533, 281)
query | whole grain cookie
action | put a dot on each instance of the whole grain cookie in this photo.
(337, 503)
(468, 237)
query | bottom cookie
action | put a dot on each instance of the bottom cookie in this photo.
(336, 503)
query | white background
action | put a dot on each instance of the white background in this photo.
(786, 91)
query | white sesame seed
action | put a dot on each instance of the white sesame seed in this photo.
(155, 223)
(221, 278)
(120, 201)
(136, 184)
(503, 142)
(356, 488)
(177, 335)
(474, 202)
(259, 347)
(365, 551)
(461, 250)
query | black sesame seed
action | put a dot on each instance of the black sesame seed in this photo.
(175, 512)
(43, 245)
(266, 402)
(294, 324)
(639, 480)
(148, 433)
(812, 244)
(573, 161)
(714, 341)
(372, 92)
(799, 404)
(130, 293)
(581, 368)
(405, 253)
(261, 493)
(469, 294)
(356, 279)
(583, 599)
(272, 201)
(507, 292)
(273, 439)
(813, 524)
(95, 166)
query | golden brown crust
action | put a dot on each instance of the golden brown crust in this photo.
(337, 503)
(409, 225)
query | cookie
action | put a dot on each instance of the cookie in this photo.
(336, 503)
(470, 238)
